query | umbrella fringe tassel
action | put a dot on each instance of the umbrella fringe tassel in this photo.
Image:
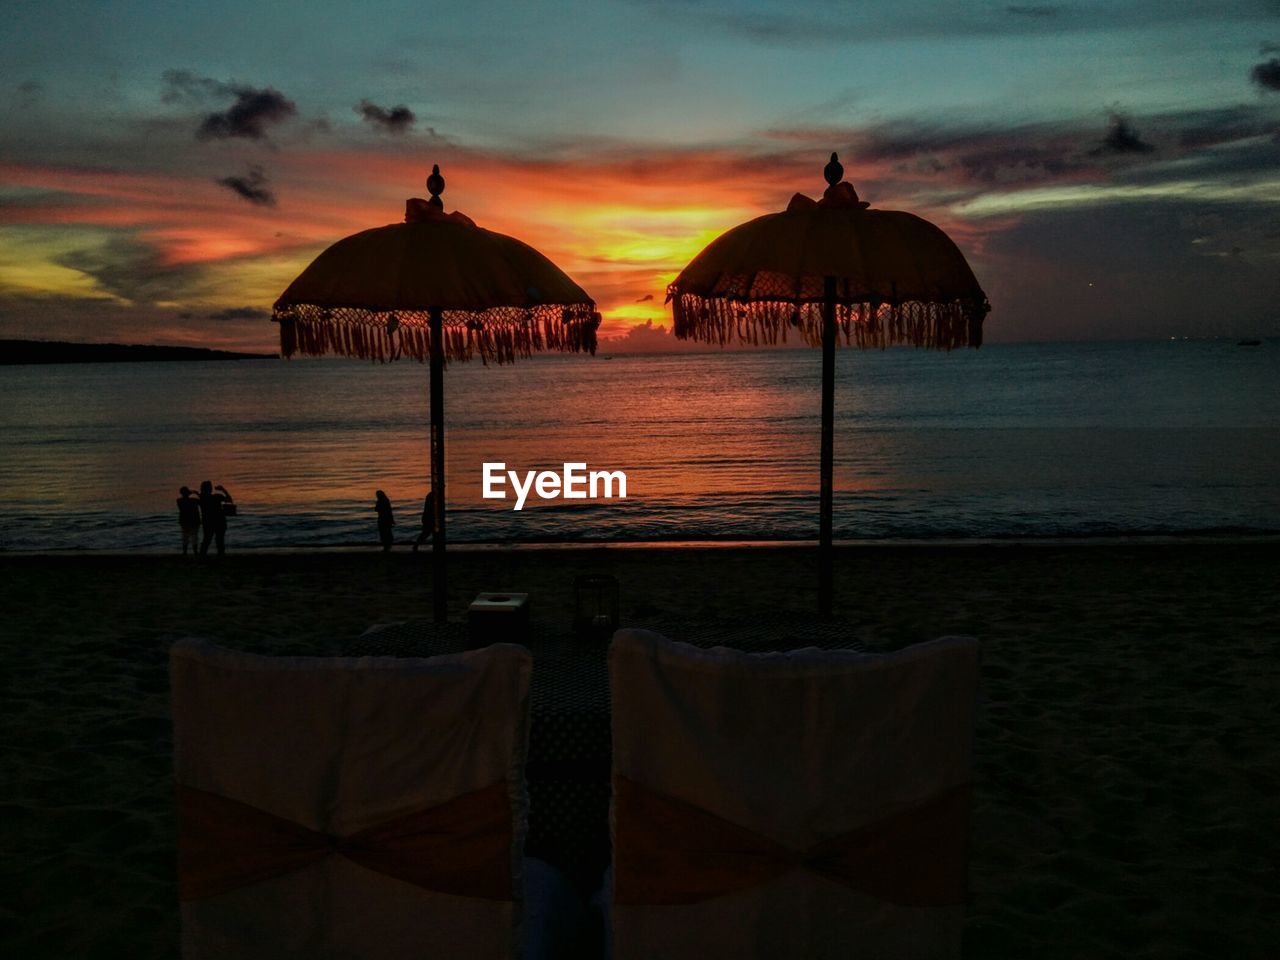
(940, 326)
(499, 335)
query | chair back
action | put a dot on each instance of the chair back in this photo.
(330, 807)
(809, 804)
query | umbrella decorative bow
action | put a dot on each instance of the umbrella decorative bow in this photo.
(435, 288)
(831, 268)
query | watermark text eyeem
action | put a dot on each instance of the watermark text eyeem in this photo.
(574, 482)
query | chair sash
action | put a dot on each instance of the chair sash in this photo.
(461, 847)
(668, 851)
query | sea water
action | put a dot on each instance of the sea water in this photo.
(1012, 440)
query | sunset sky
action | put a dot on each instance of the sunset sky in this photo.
(1111, 169)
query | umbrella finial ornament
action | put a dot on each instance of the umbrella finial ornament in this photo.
(838, 192)
(833, 171)
(435, 186)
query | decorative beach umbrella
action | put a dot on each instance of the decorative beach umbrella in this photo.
(437, 288)
(826, 269)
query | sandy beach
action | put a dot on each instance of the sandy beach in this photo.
(1128, 745)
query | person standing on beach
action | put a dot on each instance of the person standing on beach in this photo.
(189, 521)
(385, 520)
(428, 521)
(215, 521)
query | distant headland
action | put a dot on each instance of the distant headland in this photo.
(60, 351)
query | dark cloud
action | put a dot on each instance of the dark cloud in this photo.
(252, 186)
(950, 164)
(1266, 75)
(398, 119)
(253, 112)
(1213, 127)
(904, 141)
(1012, 163)
(249, 117)
(982, 156)
(132, 270)
(944, 166)
(1122, 138)
(646, 297)
(238, 313)
(968, 156)
(1032, 10)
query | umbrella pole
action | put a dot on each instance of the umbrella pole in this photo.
(439, 587)
(828, 444)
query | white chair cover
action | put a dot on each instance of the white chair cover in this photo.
(338, 746)
(799, 748)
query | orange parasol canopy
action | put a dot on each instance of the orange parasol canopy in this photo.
(898, 278)
(370, 295)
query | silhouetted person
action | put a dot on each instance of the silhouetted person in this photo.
(385, 520)
(215, 521)
(189, 520)
(428, 521)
